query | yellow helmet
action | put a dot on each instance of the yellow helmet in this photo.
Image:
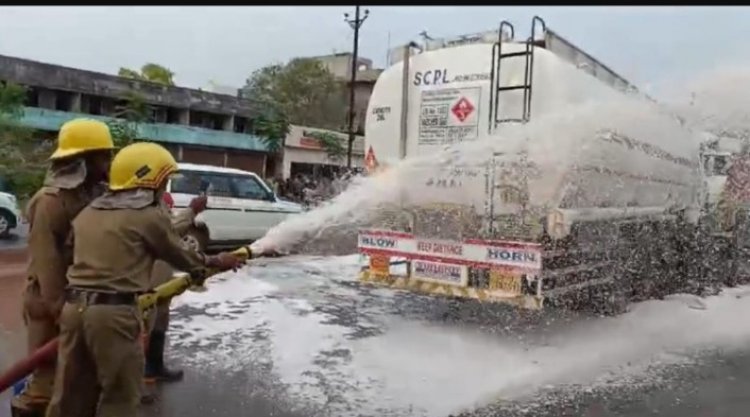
(82, 135)
(141, 165)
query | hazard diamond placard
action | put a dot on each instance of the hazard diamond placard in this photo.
(449, 115)
(462, 109)
(371, 163)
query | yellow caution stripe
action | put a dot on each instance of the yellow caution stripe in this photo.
(402, 282)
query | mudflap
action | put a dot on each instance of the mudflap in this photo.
(715, 259)
(722, 257)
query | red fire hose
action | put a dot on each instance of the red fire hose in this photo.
(48, 352)
(44, 354)
(25, 366)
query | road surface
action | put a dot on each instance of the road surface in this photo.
(300, 337)
(17, 238)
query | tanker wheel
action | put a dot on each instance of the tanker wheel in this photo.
(731, 278)
(609, 299)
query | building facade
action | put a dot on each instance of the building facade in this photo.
(305, 154)
(196, 126)
(340, 65)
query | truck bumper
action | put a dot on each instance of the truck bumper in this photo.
(404, 282)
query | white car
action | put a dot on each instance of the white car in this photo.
(241, 207)
(10, 214)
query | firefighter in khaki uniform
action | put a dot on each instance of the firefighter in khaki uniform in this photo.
(117, 239)
(78, 174)
(158, 322)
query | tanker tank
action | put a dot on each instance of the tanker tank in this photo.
(552, 178)
(640, 156)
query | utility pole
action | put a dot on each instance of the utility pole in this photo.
(355, 25)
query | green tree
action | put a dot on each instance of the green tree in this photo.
(149, 72)
(12, 98)
(331, 143)
(128, 117)
(22, 158)
(272, 130)
(303, 90)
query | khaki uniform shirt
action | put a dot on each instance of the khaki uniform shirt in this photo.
(50, 213)
(115, 248)
(181, 222)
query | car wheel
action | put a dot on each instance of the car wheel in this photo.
(196, 239)
(5, 222)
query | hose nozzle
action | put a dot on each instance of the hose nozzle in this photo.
(244, 252)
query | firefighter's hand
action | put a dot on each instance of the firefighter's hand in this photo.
(225, 261)
(198, 204)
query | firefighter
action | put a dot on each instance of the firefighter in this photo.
(732, 211)
(159, 320)
(117, 239)
(736, 189)
(77, 174)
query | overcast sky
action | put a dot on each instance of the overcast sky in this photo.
(648, 45)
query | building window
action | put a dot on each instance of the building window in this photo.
(95, 105)
(159, 114)
(84, 104)
(196, 119)
(63, 101)
(108, 107)
(215, 122)
(173, 116)
(32, 97)
(207, 120)
(239, 124)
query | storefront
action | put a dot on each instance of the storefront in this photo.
(305, 154)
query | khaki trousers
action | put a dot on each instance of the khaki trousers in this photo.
(40, 329)
(100, 362)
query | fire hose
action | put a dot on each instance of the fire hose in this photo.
(47, 353)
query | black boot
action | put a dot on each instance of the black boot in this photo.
(23, 412)
(147, 399)
(155, 360)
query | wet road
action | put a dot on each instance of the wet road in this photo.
(17, 238)
(718, 387)
(280, 345)
(300, 337)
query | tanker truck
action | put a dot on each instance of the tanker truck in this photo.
(585, 220)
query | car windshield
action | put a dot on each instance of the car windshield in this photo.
(219, 185)
(249, 187)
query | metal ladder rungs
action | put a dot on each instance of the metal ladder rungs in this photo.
(514, 87)
(512, 54)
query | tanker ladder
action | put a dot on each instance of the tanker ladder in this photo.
(496, 89)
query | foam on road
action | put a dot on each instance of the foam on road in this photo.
(333, 345)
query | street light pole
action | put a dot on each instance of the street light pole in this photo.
(355, 25)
